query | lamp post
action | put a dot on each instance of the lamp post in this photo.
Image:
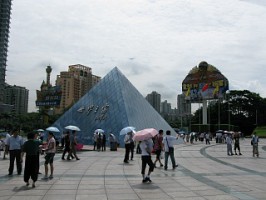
(228, 101)
(219, 114)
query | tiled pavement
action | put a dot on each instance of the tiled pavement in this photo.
(204, 172)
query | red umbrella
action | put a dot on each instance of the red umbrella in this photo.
(145, 134)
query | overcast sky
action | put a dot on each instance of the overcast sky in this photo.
(154, 43)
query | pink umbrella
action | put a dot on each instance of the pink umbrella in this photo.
(145, 134)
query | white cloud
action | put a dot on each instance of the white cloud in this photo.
(154, 43)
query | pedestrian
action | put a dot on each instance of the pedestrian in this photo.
(49, 157)
(255, 142)
(14, 145)
(39, 143)
(73, 143)
(127, 140)
(207, 138)
(104, 142)
(95, 138)
(31, 149)
(2, 146)
(168, 144)
(67, 145)
(146, 149)
(237, 143)
(138, 150)
(132, 148)
(228, 140)
(99, 141)
(158, 147)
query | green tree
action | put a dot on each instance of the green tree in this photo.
(246, 110)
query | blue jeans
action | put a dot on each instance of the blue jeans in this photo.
(172, 157)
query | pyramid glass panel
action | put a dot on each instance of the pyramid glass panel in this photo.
(111, 105)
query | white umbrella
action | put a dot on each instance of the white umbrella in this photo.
(99, 130)
(73, 128)
(127, 129)
(40, 130)
(52, 129)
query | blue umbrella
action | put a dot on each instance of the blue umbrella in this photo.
(99, 130)
(52, 129)
(127, 129)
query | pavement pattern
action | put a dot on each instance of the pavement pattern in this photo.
(205, 172)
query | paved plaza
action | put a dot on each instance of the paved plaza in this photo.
(204, 172)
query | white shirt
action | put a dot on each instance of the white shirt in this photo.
(171, 140)
(128, 138)
(146, 147)
(49, 145)
(228, 140)
(15, 143)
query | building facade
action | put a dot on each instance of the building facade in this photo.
(74, 84)
(165, 107)
(5, 12)
(17, 97)
(184, 110)
(154, 99)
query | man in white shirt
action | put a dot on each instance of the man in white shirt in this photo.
(146, 149)
(168, 143)
(14, 145)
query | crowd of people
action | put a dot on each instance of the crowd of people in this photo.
(157, 145)
(162, 146)
(17, 147)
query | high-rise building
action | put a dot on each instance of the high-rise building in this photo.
(18, 97)
(165, 107)
(184, 109)
(74, 84)
(183, 105)
(5, 12)
(155, 100)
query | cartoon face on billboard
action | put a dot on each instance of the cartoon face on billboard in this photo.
(204, 82)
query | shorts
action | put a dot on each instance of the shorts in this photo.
(158, 153)
(49, 158)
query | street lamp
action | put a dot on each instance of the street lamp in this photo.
(219, 113)
(228, 99)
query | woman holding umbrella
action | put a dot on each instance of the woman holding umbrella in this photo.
(146, 146)
(146, 149)
(73, 143)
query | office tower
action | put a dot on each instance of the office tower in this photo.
(183, 105)
(17, 97)
(5, 12)
(74, 84)
(165, 107)
(184, 109)
(155, 100)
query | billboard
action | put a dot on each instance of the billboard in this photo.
(204, 82)
(49, 97)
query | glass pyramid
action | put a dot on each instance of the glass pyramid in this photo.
(112, 104)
